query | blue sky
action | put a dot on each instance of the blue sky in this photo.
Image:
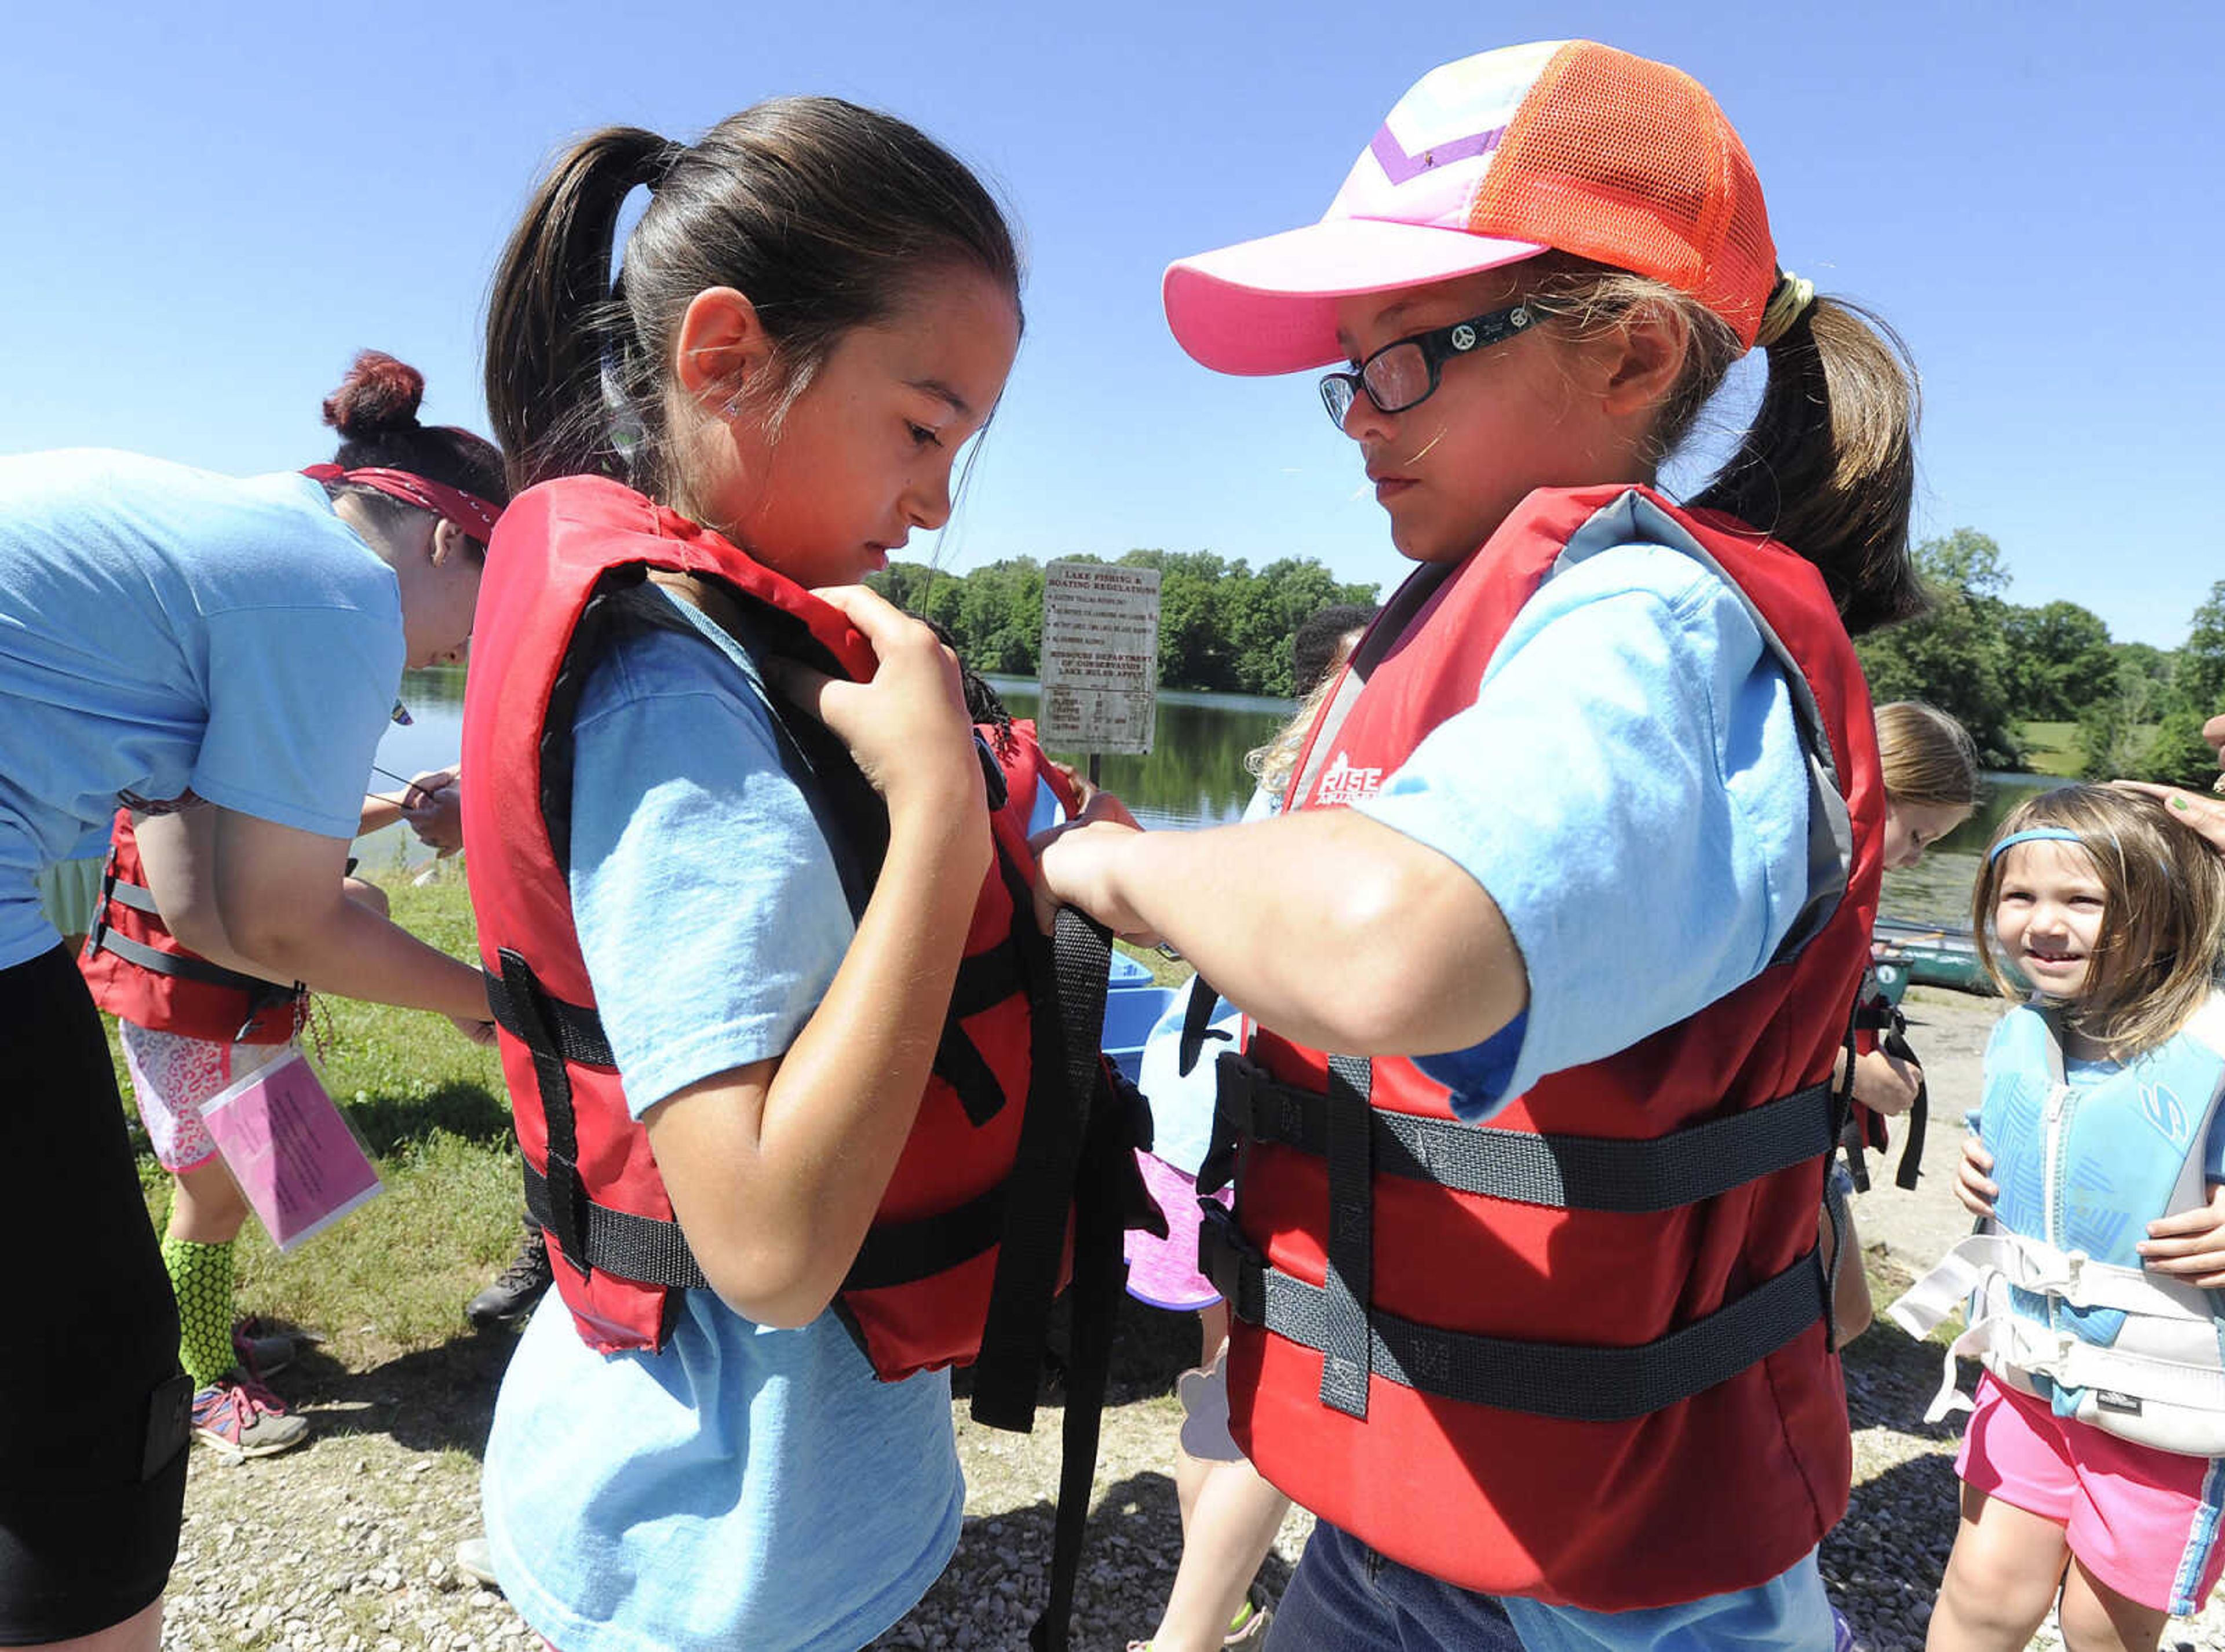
(209, 210)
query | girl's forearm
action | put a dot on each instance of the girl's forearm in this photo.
(842, 1101)
(1330, 928)
(350, 951)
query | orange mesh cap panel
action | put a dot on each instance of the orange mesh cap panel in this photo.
(1631, 163)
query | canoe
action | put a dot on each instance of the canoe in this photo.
(1929, 955)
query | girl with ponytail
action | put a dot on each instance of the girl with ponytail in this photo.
(815, 312)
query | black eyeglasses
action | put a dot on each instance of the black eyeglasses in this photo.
(1404, 374)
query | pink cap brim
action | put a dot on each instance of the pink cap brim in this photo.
(1270, 306)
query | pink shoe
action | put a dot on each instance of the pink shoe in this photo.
(237, 1415)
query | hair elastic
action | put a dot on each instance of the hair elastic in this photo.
(2037, 834)
(1788, 302)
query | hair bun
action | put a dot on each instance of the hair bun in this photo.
(379, 397)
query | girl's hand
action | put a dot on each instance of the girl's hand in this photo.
(1972, 1189)
(1886, 1085)
(478, 1032)
(1076, 866)
(433, 807)
(2204, 815)
(907, 728)
(2189, 1246)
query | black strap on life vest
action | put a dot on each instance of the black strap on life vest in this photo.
(261, 995)
(1197, 1024)
(1877, 1014)
(1589, 1172)
(1579, 1382)
(1358, 1140)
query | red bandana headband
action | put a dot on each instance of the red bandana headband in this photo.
(466, 510)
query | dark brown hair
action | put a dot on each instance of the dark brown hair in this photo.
(375, 410)
(1829, 465)
(825, 216)
(2162, 914)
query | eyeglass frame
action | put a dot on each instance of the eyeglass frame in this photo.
(1438, 347)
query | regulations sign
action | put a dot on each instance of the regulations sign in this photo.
(1100, 657)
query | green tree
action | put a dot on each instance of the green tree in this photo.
(2054, 656)
(1956, 655)
(2198, 675)
(2177, 753)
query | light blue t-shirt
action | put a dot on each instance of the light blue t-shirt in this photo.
(165, 629)
(1629, 787)
(745, 1487)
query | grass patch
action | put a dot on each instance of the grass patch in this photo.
(2052, 748)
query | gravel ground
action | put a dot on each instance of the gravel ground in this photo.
(350, 1542)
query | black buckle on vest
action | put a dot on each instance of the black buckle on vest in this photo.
(1231, 1262)
(536, 1029)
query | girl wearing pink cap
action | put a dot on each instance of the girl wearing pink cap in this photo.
(1546, 964)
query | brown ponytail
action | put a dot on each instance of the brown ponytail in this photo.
(825, 215)
(1828, 466)
(550, 310)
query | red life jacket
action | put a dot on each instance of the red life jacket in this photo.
(1580, 1355)
(139, 973)
(565, 564)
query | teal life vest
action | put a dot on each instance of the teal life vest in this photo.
(2057, 1303)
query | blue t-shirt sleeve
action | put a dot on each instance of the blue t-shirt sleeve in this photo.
(709, 910)
(1629, 788)
(297, 699)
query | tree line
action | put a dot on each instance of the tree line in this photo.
(1222, 624)
(1995, 664)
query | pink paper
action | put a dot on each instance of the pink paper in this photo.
(288, 1149)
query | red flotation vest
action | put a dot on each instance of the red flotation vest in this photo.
(1580, 1354)
(139, 972)
(568, 560)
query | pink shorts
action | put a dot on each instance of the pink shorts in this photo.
(173, 1077)
(1164, 1272)
(2142, 1520)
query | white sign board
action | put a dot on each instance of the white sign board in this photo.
(1100, 657)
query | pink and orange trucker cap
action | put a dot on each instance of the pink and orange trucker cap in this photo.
(1564, 144)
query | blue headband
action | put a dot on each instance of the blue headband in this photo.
(2038, 834)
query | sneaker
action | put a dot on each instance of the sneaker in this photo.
(260, 1356)
(1249, 1626)
(237, 1415)
(475, 1560)
(518, 1286)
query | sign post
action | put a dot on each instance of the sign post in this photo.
(1100, 659)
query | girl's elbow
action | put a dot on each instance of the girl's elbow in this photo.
(768, 1287)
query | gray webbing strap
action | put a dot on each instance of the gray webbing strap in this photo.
(1345, 1346)
(132, 896)
(1589, 1172)
(188, 967)
(1582, 1383)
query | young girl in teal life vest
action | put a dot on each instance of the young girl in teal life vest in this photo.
(1589, 701)
(2092, 1478)
(817, 310)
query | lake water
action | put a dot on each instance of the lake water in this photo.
(1194, 776)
